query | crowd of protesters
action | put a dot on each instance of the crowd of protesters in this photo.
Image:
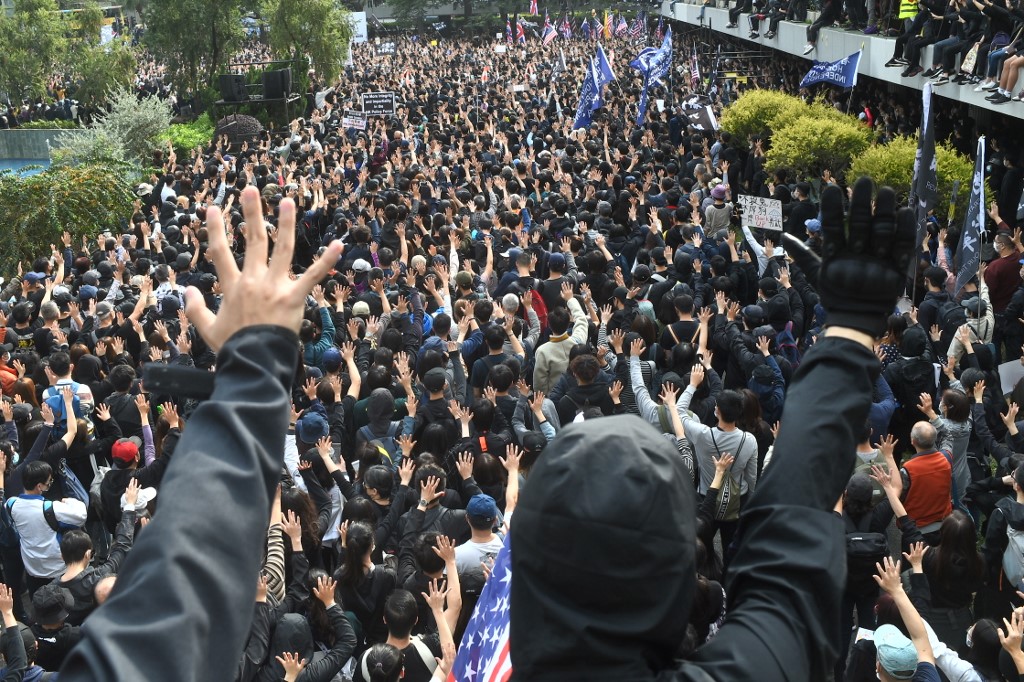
(491, 287)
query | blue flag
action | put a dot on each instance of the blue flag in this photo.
(924, 188)
(842, 73)
(590, 97)
(605, 74)
(969, 253)
(654, 65)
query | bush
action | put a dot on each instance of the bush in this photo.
(58, 124)
(187, 136)
(84, 200)
(806, 146)
(893, 165)
(129, 131)
(760, 111)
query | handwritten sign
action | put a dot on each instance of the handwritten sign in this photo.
(353, 119)
(765, 214)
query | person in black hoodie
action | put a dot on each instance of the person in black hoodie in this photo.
(582, 610)
(1008, 514)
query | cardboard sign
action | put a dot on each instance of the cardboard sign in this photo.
(379, 103)
(765, 214)
(386, 48)
(354, 119)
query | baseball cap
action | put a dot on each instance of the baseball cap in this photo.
(146, 495)
(641, 274)
(51, 604)
(434, 380)
(896, 653)
(464, 279)
(859, 488)
(753, 312)
(763, 375)
(975, 305)
(125, 450)
(86, 291)
(556, 261)
(512, 253)
(91, 277)
(813, 225)
(361, 265)
(34, 277)
(104, 309)
(621, 293)
(482, 506)
(658, 255)
(361, 309)
(311, 427)
(331, 359)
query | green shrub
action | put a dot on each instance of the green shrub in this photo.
(49, 125)
(893, 165)
(187, 136)
(806, 145)
(758, 111)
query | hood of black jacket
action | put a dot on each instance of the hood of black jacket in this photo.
(602, 554)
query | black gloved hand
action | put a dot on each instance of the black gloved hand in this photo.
(865, 267)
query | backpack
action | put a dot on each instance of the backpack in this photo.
(786, 343)
(1013, 557)
(422, 650)
(877, 494)
(60, 421)
(728, 506)
(96, 489)
(915, 377)
(863, 548)
(387, 442)
(48, 514)
(951, 316)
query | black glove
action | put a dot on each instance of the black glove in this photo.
(865, 267)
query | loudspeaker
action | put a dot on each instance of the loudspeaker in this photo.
(232, 88)
(277, 84)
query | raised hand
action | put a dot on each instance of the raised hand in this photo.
(865, 262)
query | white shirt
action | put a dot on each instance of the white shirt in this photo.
(469, 555)
(39, 547)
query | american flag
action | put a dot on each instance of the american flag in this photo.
(609, 29)
(660, 33)
(549, 33)
(636, 29)
(508, 30)
(694, 69)
(566, 28)
(533, 7)
(622, 27)
(520, 33)
(484, 652)
(595, 28)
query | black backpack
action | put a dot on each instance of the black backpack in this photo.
(863, 548)
(916, 376)
(951, 316)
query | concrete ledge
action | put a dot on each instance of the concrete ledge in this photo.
(834, 44)
(28, 144)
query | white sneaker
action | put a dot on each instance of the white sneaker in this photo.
(980, 86)
(808, 48)
(990, 86)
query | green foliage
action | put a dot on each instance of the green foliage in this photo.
(99, 69)
(194, 38)
(49, 125)
(893, 165)
(84, 200)
(319, 30)
(807, 145)
(32, 46)
(129, 131)
(187, 136)
(757, 111)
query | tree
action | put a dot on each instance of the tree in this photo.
(32, 46)
(417, 10)
(808, 145)
(100, 69)
(194, 38)
(893, 165)
(84, 200)
(319, 30)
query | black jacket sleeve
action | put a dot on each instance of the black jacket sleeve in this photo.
(14, 655)
(197, 563)
(787, 578)
(324, 669)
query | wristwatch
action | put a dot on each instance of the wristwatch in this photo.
(423, 503)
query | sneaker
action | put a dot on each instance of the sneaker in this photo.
(730, 25)
(979, 88)
(961, 79)
(1019, 97)
(941, 80)
(754, 34)
(808, 48)
(994, 96)
(912, 71)
(930, 73)
(1002, 99)
(894, 62)
(769, 35)
(871, 30)
(990, 86)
